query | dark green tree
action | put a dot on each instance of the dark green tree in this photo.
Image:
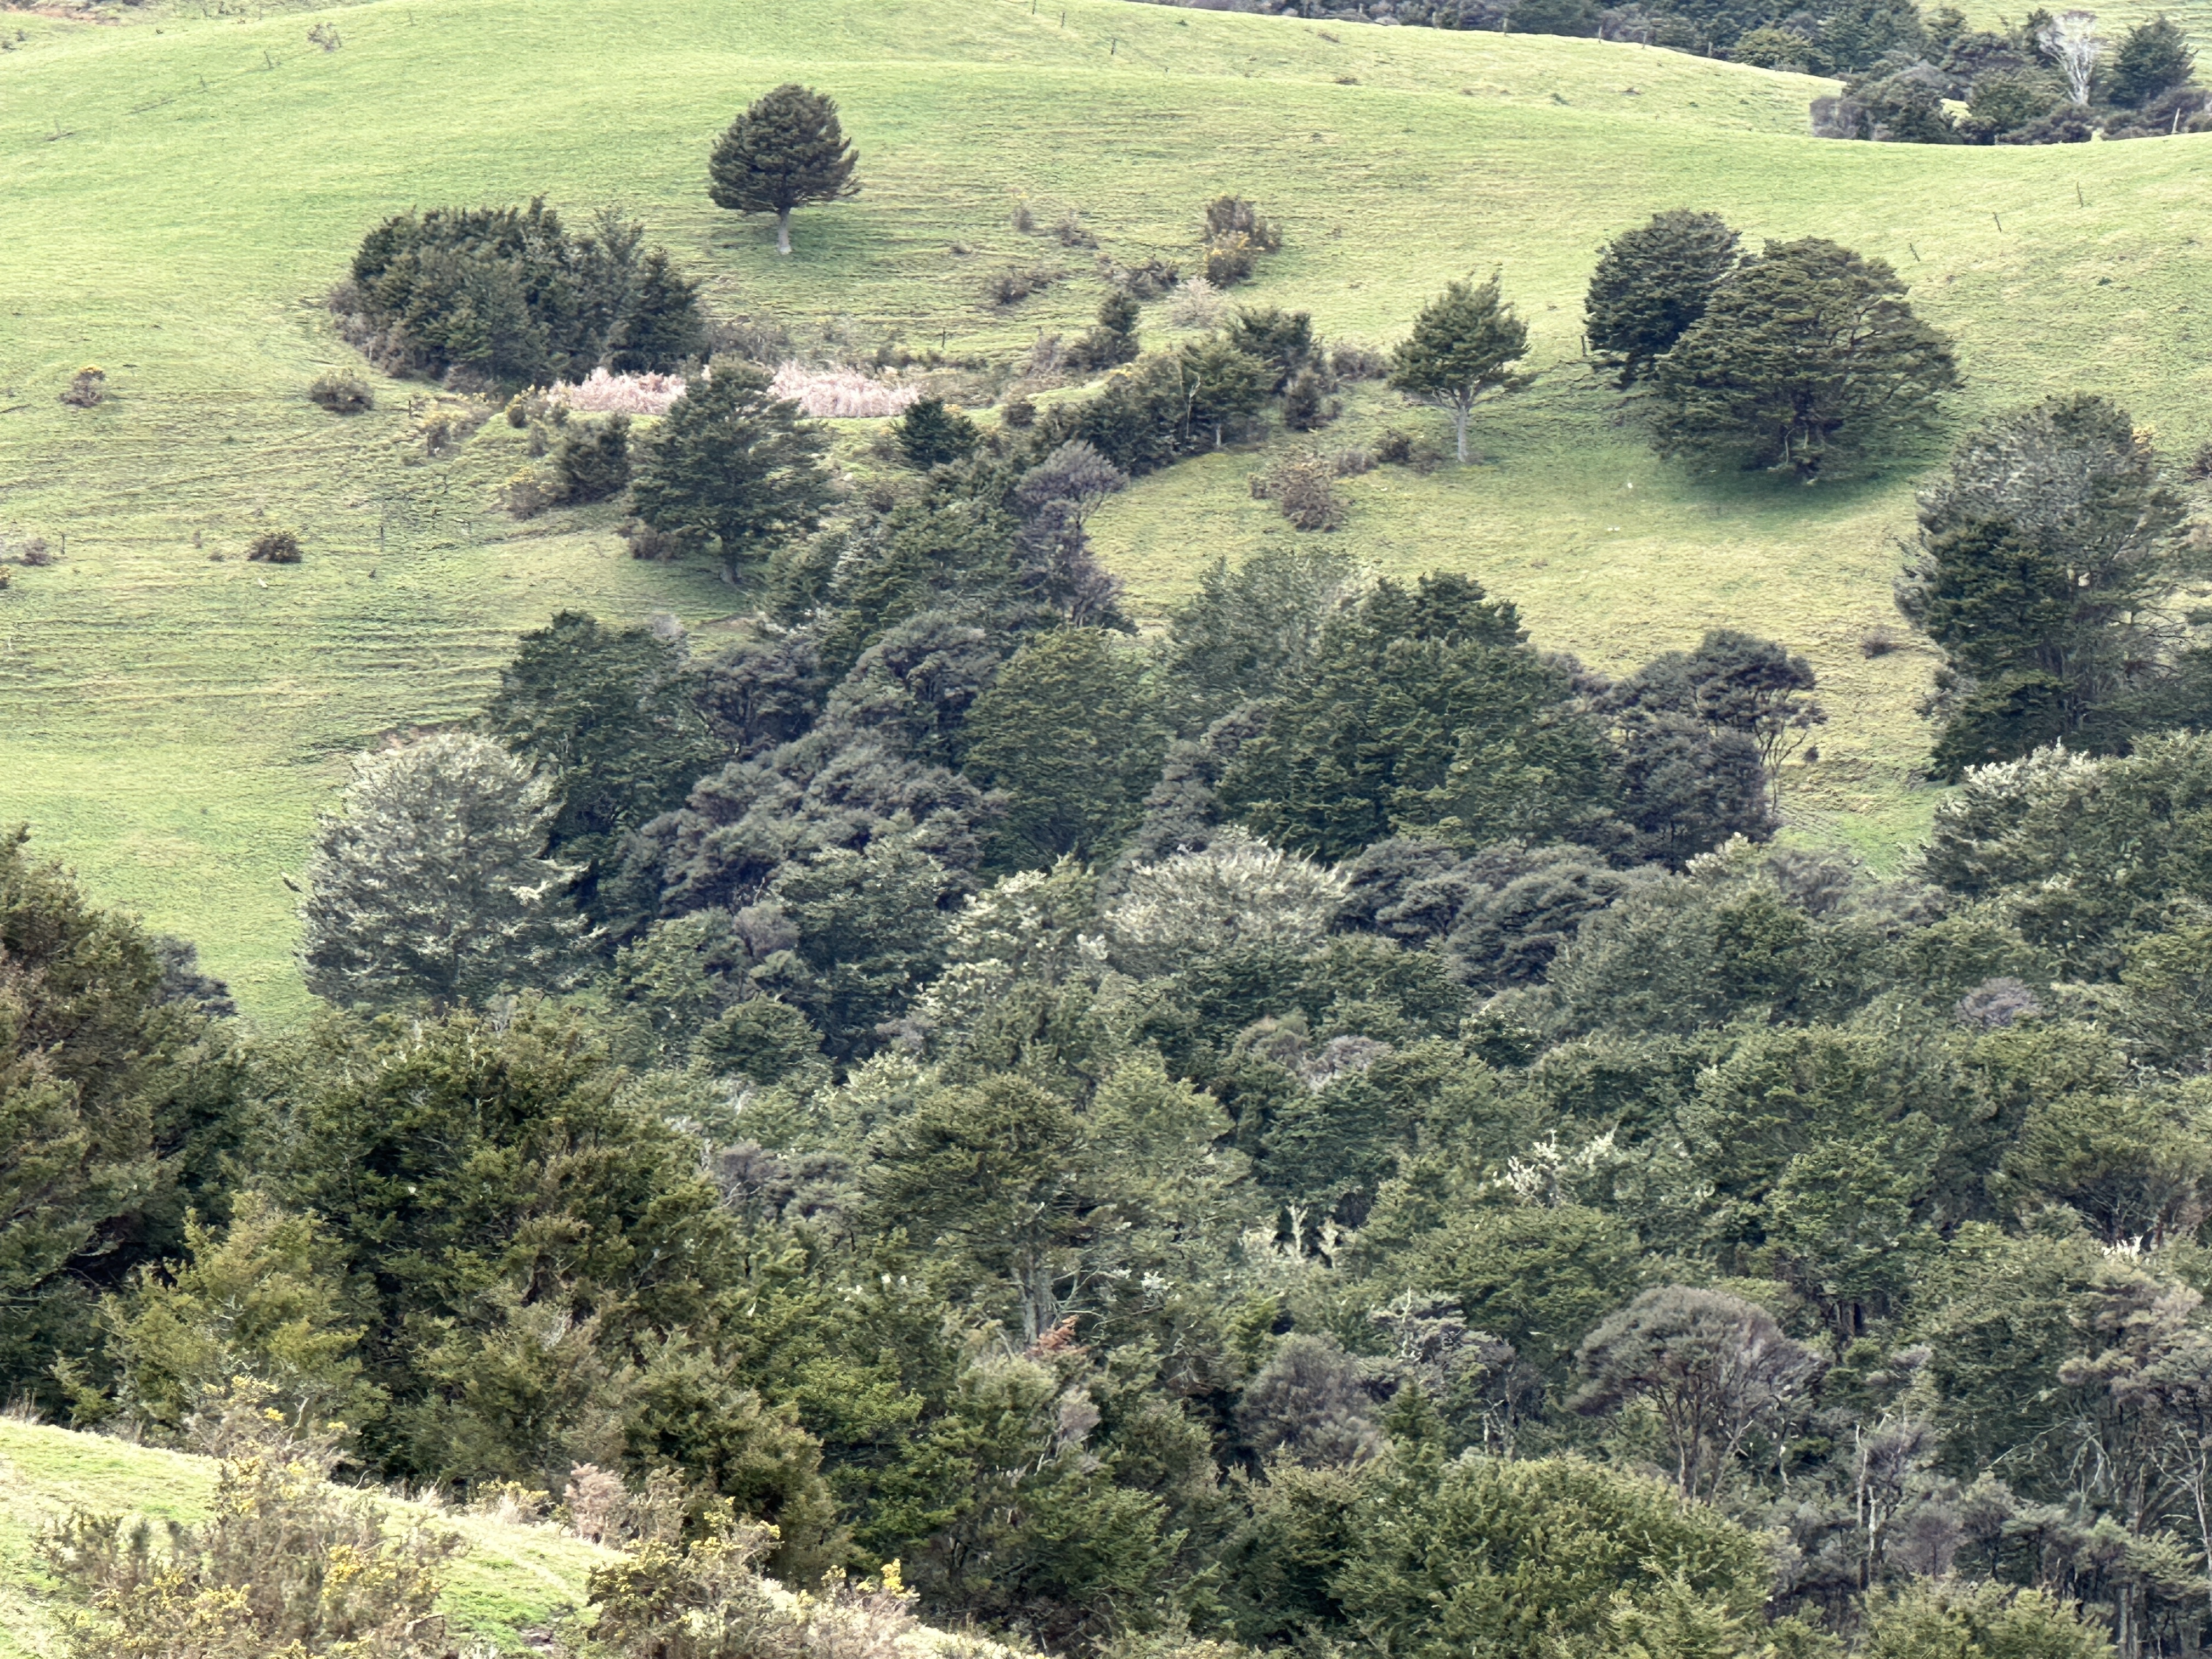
(661, 326)
(593, 458)
(1069, 731)
(1114, 340)
(611, 713)
(1806, 359)
(2047, 552)
(1463, 346)
(1283, 338)
(1651, 284)
(2154, 59)
(1423, 711)
(732, 472)
(930, 434)
(1906, 107)
(786, 151)
(104, 1089)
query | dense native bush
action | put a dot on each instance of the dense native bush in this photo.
(1319, 1127)
(511, 296)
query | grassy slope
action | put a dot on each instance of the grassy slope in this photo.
(170, 723)
(510, 1580)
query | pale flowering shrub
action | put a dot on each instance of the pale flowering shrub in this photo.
(602, 393)
(841, 394)
(1238, 892)
(1196, 303)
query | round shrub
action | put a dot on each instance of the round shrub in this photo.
(274, 547)
(341, 394)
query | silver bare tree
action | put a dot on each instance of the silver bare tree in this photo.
(2072, 41)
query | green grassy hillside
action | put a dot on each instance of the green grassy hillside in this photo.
(183, 188)
(509, 1580)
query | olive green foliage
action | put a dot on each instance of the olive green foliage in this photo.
(261, 1300)
(786, 151)
(1983, 1621)
(1807, 360)
(1423, 710)
(282, 1564)
(1069, 732)
(732, 472)
(1651, 284)
(1463, 346)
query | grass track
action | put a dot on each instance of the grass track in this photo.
(178, 190)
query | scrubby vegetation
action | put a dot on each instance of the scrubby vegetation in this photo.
(1320, 1126)
(511, 296)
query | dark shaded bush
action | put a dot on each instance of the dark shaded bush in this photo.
(274, 547)
(593, 460)
(929, 435)
(1016, 282)
(1113, 341)
(341, 394)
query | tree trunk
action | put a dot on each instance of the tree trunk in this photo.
(1460, 412)
(783, 231)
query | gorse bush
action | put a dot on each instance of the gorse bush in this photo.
(274, 547)
(284, 1564)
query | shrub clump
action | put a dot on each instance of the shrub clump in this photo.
(591, 461)
(340, 393)
(1304, 487)
(284, 1562)
(1016, 282)
(1113, 341)
(86, 387)
(1235, 237)
(513, 295)
(274, 547)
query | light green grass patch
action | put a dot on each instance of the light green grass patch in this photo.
(509, 1580)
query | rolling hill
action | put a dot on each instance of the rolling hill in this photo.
(184, 186)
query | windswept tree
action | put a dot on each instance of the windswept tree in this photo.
(1807, 358)
(787, 151)
(434, 883)
(1651, 284)
(732, 472)
(2154, 59)
(1464, 346)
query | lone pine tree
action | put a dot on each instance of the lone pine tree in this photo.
(785, 152)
